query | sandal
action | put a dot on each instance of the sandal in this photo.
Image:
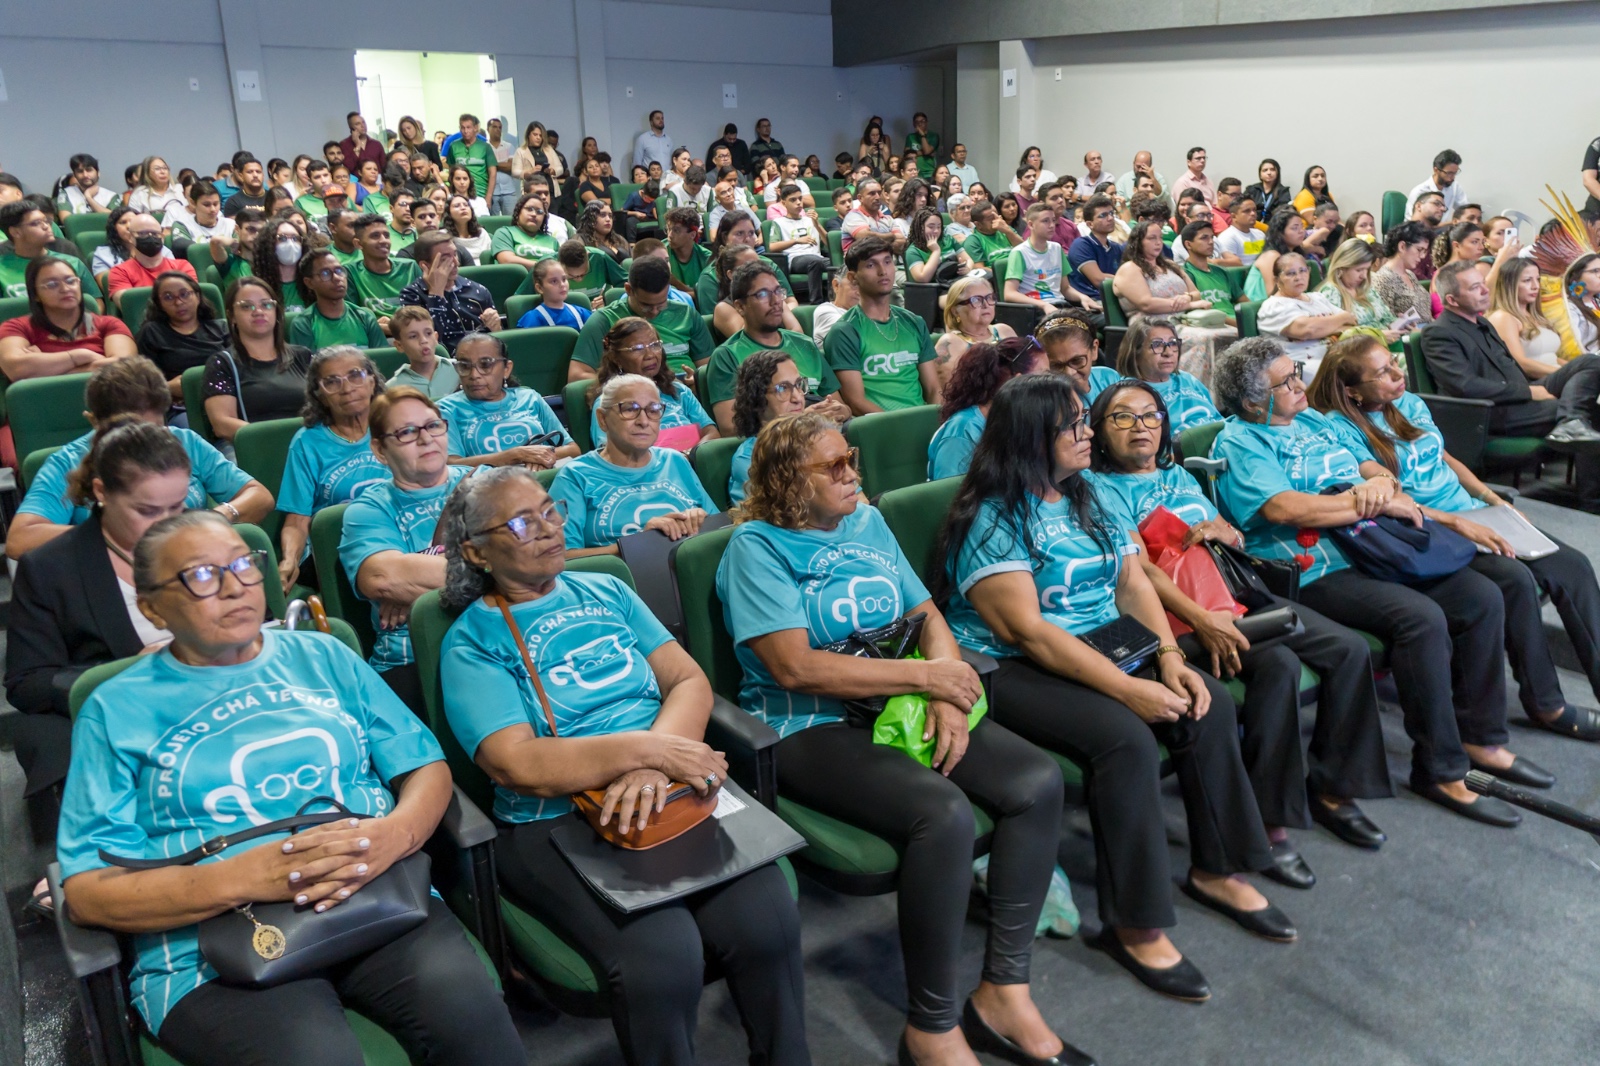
(41, 904)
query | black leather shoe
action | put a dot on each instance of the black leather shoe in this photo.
(1183, 981)
(1520, 772)
(981, 1037)
(1288, 868)
(1269, 922)
(1348, 823)
(1580, 722)
(1487, 810)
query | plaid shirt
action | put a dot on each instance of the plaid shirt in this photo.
(455, 313)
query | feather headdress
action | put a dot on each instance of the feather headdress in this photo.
(1554, 251)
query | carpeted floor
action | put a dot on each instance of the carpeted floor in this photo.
(1456, 945)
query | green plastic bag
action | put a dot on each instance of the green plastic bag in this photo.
(905, 717)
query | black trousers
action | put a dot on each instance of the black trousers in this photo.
(654, 960)
(428, 988)
(819, 289)
(406, 682)
(1346, 757)
(1447, 640)
(1569, 579)
(1122, 775)
(42, 743)
(1576, 387)
(838, 770)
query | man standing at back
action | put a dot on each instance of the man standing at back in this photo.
(738, 151)
(959, 168)
(358, 148)
(1195, 177)
(654, 145)
(764, 145)
(474, 153)
(505, 186)
(925, 144)
(1446, 169)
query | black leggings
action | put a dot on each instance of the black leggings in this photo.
(1346, 757)
(1447, 652)
(1569, 578)
(428, 988)
(405, 681)
(654, 961)
(1122, 777)
(838, 770)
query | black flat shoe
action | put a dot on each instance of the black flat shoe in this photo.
(1183, 981)
(1269, 922)
(981, 1037)
(1487, 810)
(1520, 772)
(1582, 723)
(1349, 824)
(1288, 868)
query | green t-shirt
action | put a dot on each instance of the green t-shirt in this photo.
(926, 164)
(705, 289)
(988, 250)
(683, 334)
(231, 270)
(689, 273)
(887, 355)
(477, 157)
(313, 206)
(524, 245)
(14, 269)
(376, 204)
(915, 255)
(345, 258)
(380, 293)
(1213, 285)
(723, 370)
(358, 326)
(398, 240)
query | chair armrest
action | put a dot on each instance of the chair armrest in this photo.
(1505, 492)
(88, 951)
(1464, 424)
(749, 744)
(983, 664)
(466, 825)
(733, 723)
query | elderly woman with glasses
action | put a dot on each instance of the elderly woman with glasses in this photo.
(388, 548)
(303, 711)
(493, 420)
(329, 318)
(969, 308)
(628, 484)
(1070, 345)
(1301, 322)
(1150, 352)
(630, 734)
(807, 565)
(1133, 475)
(1446, 635)
(1031, 563)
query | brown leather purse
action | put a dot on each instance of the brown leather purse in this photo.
(685, 807)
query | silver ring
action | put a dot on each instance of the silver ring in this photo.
(647, 788)
(711, 780)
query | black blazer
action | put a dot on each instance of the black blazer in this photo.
(1469, 359)
(67, 615)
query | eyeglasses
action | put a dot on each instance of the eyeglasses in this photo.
(633, 408)
(841, 469)
(781, 389)
(1147, 419)
(1078, 363)
(640, 349)
(251, 307)
(177, 296)
(1390, 371)
(205, 580)
(1159, 347)
(470, 367)
(1077, 425)
(336, 382)
(764, 294)
(434, 427)
(329, 273)
(1296, 272)
(57, 284)
(521, 526)
(980, 301)
(1293, 380)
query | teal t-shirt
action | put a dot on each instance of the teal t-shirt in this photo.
(210, 474)
(216, 749)
(1188, 400)
(829, 583)
(723, 370)
(357, 326)
(1128, 499)
(477, 157)
(606, 502)
(1424, 475)
(739, 471)
(679, 408)
(1075, 577)
(589, 637)
(324, 469)
(1304, 456)
(887, 355)
(387, 518)
(523, 245)
(489, 427)
(950, 450)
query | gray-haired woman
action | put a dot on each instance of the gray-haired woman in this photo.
(331, 459)
(1446, 635)
(630, 733)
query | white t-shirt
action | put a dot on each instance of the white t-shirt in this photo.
(148, 200)
(191, 228)
(794, 228)
(1247, 246)
(719, 212)
(1453, 194)
(558, 228)
(1041, 275)
(822, 320)
(147, 631)
(80, 203)
(1278, 311)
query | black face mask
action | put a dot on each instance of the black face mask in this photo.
(148, 244)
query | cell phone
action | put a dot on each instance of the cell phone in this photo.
(1511, 233)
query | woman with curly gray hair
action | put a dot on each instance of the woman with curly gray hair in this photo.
(1446, 635)
(630, 733)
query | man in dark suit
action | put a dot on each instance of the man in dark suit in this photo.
(1467, 358)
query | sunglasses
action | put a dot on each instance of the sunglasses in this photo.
(845, 468)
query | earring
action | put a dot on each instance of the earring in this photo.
(487, 568)
(1578, 289)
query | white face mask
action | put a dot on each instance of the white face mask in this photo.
(288, 252)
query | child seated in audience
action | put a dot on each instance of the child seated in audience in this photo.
(551, 282)
(427, 369)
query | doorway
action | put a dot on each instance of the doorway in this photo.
(435, 88)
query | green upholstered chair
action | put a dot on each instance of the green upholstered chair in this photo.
(338, 588)
(540, 355)
(194, 403)
(894, 446)
(261, 449)
(31, 465)
(1393, 210)
(1112, 305)
(501, 279)
(136, 301)
(713, 463)
(492, 223)
(46, 412)
(1246, 317)
(387, 360)
(575, 402)
(1464, 423)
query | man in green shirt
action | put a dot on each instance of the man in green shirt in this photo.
(342, 228)
(313, 201)
(474, 153)
(331, 319)
(925, 144)
(376, 278)
(686, 255)
(755, 292)
(882, 354)
(992, 239)
(402, 231)
(30, 233)
(684, 337)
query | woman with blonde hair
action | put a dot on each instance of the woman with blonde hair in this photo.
(1517, 314)
(157, 192)
(969, 309)
(1349, 287)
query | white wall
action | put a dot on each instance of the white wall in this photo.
(1372, 102)
(781, 61)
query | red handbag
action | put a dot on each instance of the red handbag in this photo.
(1192, 569)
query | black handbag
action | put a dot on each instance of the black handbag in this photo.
(896, 640)
(1252, 580)
(1127, 642)
(265, 944)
